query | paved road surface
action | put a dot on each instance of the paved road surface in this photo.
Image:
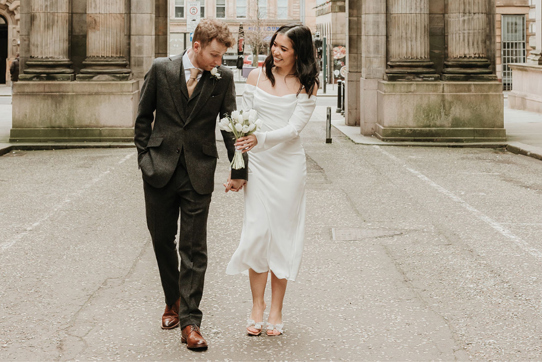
(410, 254)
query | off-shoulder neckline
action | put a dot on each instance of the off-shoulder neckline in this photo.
(272, 95)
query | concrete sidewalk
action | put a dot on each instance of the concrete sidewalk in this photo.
(523, 131)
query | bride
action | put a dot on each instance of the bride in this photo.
(284, 95)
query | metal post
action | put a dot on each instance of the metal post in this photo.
(328, 126)
(324, 56)
(339, 96)
(343, 107)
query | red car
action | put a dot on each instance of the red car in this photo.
(248, 60)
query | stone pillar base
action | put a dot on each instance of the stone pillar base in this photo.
(47, 77)
(440, 111)
(414, 70)
(48, 66)
(526, 91)
(74, 111)
(33, 135)
(469, 77)
(103, 77)
(106, 69)
(468, 70)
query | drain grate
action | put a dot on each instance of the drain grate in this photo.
(354, 234)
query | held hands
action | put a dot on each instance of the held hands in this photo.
(234, 185)
(246, 143)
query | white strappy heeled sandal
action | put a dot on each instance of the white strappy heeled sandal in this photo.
(254, 325)
(271, 328)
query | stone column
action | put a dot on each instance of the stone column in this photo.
(373, 61)
(49, 41)
(408, 41)
(106, 41)
(468, 53)
(353, 75)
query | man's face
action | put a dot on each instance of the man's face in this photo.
(210, 56)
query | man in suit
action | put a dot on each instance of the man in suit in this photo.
(177, 156)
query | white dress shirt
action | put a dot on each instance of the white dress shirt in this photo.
(187, 64)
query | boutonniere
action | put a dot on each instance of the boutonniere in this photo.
(215, 74)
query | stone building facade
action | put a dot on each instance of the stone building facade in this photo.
(331, 23)
(526, 91)
(424, 70)
(81, 66)
(513, 22)
(9, 36)
(257, 16)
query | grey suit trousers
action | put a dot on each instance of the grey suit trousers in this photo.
(163, 206)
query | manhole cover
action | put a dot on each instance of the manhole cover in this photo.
(351, 234)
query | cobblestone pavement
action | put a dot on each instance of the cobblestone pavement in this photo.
(410, 254)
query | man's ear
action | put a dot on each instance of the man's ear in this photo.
(196, 46)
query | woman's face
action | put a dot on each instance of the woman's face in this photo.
(283, 52)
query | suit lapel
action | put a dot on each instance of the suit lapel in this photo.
(177, 86)
(201, 94)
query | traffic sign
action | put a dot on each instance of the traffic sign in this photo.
(193, 16)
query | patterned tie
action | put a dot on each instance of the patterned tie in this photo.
(191, 84)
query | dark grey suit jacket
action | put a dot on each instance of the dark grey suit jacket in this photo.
(183, 124)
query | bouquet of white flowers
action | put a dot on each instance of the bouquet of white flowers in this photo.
(241, 124)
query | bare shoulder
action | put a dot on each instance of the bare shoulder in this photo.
(314, 90)
(253, 76)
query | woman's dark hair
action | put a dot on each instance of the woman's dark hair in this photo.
(305, 68)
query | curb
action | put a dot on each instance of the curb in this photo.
(526, 150)
(8, 147)
(513, 147)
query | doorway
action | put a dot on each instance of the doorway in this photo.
(3, 49)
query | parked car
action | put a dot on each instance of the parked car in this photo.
(248, 60)
(229, 60)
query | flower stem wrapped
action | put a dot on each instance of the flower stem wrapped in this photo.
(241, 124)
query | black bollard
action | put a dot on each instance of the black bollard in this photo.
(343, 107)
(339, 96)
(328, 126)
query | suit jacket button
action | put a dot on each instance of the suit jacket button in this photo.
(177, 150)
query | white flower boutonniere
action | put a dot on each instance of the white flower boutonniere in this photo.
(215, 74)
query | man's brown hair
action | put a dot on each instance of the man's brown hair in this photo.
(209, 29)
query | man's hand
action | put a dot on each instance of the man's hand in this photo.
(235, 184)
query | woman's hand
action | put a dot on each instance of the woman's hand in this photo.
(246, 143)
(234, 185)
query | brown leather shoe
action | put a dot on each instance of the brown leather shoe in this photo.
(170, 319)
(191, 335)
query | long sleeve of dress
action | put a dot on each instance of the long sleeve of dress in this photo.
(299, 119)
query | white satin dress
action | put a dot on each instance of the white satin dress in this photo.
(274, 216)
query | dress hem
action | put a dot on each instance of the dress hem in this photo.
(245, 271)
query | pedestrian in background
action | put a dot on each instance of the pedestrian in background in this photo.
(14, 71)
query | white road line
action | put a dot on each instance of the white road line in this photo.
(480, 215)
(63, 203)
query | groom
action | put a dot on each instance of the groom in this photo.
(177, 156)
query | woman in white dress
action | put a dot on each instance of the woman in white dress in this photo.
(284, 95)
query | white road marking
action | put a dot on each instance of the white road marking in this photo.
(480, 215)
(63, 203)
